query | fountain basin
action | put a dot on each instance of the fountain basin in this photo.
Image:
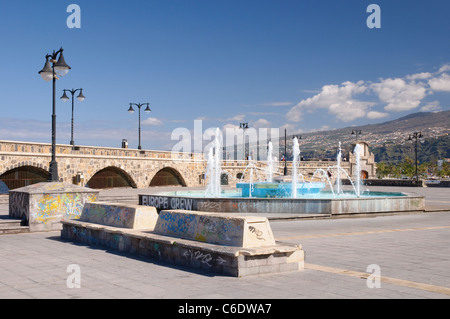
(325, 204)
(278, 190)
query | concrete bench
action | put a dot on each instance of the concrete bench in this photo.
(120, 215)
(216, 228)
(220, 243)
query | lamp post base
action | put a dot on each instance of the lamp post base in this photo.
(53, 170)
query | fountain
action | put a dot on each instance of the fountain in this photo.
(338, 170)
(357, 151)
(285, 194)
(269, 169)
(296, 152)
(282, 187)
(214, 168)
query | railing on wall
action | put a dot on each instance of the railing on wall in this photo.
(45, 149)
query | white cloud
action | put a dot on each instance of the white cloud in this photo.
(290, 129)
(376, 115)
(231, 128)
(261, 123)
(399, 94)
(444, 68)
(152, 121)
(350, 100)
(338, 99)
(441, 83)
(419, 76)
(431, 106)
(278, 104)
(237, 118)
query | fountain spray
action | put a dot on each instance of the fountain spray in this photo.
(296, 153)
(357, 152)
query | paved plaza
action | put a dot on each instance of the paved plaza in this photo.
(409, 252)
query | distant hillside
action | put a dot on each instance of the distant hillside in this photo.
(422, 121)
(430, 150)
(388, 140)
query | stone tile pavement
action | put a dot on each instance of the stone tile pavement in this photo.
(410, 251)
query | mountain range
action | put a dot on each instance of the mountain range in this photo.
(388, 141)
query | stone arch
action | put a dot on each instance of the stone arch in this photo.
(168, 176)
(364, 174)
(23, 176)
(111, 177)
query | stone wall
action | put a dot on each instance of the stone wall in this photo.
(140, 166)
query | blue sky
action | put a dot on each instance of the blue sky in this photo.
(301, 65)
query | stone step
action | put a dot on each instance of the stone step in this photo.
(11, 226)
(6, 222)
(119, 199)
(4, 199)
(14, 230)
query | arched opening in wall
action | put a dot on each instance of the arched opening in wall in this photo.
(224, 179)
(168, 177)
(24, 176)
(110, 177)
(364, 175)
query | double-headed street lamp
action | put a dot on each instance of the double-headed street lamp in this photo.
(415, 136)
(51, 72)
(147, 110)
(65, 98)
(356, 133)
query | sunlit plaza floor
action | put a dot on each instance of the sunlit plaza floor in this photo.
(409, 253)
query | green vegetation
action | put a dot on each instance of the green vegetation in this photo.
(431, 150)
(407, 169)
(397, 161)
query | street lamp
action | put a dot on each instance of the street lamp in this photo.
(65, 98)
(356, 132)
(243, 126)
(51, 72)
(147, 110)
(415, 136)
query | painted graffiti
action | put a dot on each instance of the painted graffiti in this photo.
(219, 228)
(108, 215)
(178, 224)
(48, 207)
(164, 202)
(19, 205)
(202, 228)
(61, 206)
(204, 258)
(257, 232)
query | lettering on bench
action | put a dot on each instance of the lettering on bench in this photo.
(164, 202)
(204, 258)
(257, 232)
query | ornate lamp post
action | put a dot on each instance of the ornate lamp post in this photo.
(65, 98)
(147, 110)
(415, 136)
(356, 133)
(51, 72)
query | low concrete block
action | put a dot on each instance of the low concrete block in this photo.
(175, 240)
(216, 228)
(120, 215)
(42, 206)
